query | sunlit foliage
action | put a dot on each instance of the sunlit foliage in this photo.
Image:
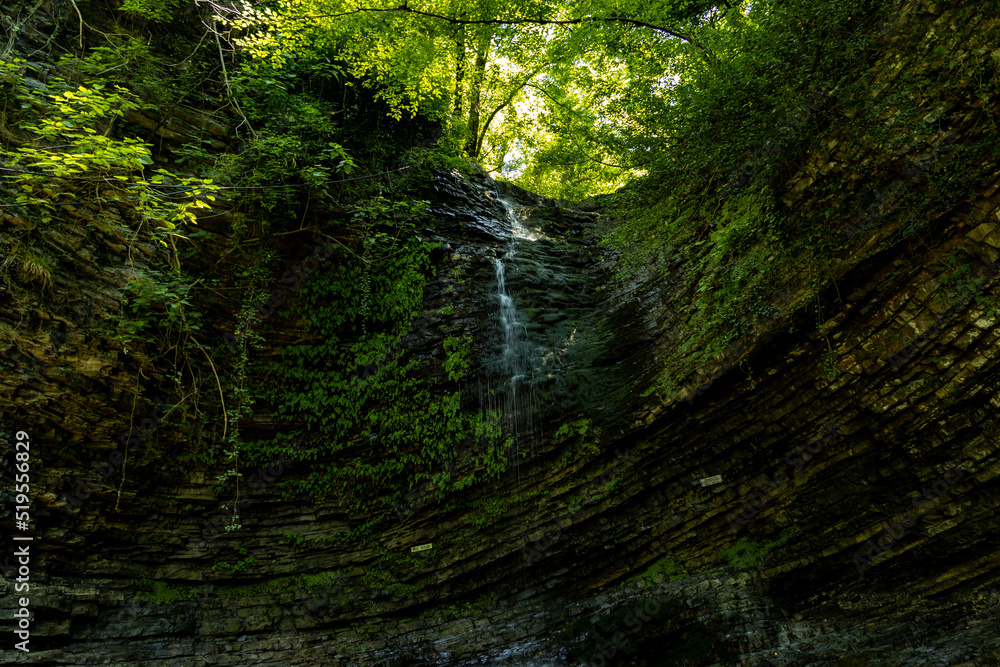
(563, 96)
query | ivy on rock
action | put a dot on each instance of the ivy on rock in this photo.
(378, 422)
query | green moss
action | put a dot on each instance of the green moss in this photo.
(298, 582)
(466, 609)
(669, 568)
(581, 438)
(160, 592)
(748, 554)
(270, 587)
(491, 509)
(399, 572)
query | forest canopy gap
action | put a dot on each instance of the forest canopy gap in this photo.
(567, 98)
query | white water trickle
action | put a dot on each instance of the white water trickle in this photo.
(515, 364)
(510, 320)
(516, 352)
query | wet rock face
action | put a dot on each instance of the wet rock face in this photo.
(547, 265)
(547, 583)
(854, 521)
(463, 208)
(548, 271)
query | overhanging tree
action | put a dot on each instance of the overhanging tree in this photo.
(483, 69)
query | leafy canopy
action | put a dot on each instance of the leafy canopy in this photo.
(565, 95)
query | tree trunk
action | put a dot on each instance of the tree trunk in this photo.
(478, 75)
(459, 72)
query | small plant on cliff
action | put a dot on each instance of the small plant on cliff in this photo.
(241, 565)
(747, 554)
(666, 567)
(457, 361)
(581, 436)
(159, 592)
(152, 10)
(74, 157)
(34, 267)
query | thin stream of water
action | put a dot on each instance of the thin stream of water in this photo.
(514, 368)
(517, 352)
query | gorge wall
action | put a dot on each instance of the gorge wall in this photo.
(853, 428)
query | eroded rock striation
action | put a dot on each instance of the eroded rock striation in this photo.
(824, 491)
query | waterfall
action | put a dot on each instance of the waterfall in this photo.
(514, 359)
(515, 365)
(545, 346)
(540, 364)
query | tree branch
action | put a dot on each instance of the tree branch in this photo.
(574, 139)
(505, 104)
(404, 9)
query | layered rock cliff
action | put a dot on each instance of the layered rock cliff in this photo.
(822, 491)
